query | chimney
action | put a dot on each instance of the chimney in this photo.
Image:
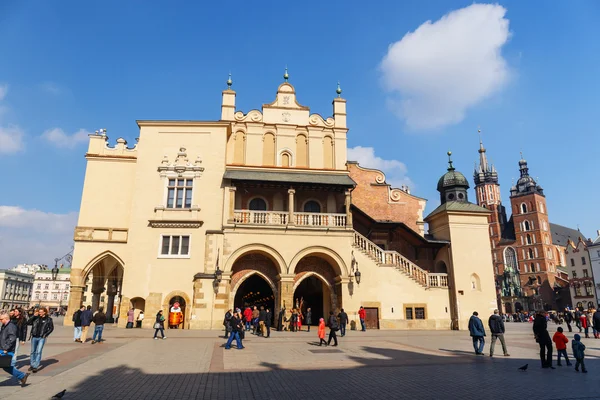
(228, 103)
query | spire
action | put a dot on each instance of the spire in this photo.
(229, 82)
(450, 166)
(482, 157)
(339, 90)
(286, 76)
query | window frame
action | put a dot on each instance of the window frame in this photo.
(184, 188)
(180, 235)
(413, 311)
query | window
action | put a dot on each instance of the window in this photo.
(66, 296)
(312, 207)
(55, 286)
(582, 260)
(419, 312)
(598, 253)
(574, 275)
(258, 204)
(409, 313)
(588, 289)
(541, 207)
(545, 226)
(523, 208)
(537, 267)
(585, 273)
(528, 238)
(577, 291)
(415, 311)
(45, 296)
(179, 193)
(539, 279)
(39, 285)
(526, 225)
(175, 246)
(530, 252)
(572, 262)
(47, 286)
(54, 296)
(525, 268)
(37, 296)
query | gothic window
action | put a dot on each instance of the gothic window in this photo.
(523, 208)
(530, 252)
(545, 226)
(525, 268)
(537, 267)
(572, 262)
(510, 258)
(541, 207)
(533, 268)
(536, 253)
(526, 225)
(312, 207)
(257, 204)
(528, 238)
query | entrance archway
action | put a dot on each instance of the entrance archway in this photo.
(312, 292)
(255, 291)
(177, 315)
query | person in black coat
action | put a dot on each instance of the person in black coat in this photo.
(343, 321)
(333, 327)
(568, 319)
(308, 319)
(540, 330)
(596, 323)
(159, 325)
(280, 319)
(269, 318)
(226, 322)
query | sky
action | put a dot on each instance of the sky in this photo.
(419, 77)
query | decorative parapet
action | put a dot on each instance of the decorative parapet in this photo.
(99, 147)
(181, 165)
(101, 235)
(252, 116)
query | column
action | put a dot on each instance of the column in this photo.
(231, 204)
(75, 301)
(110, 302)
(348, 201)
(286, 292)
(96, 299)
(291, 193)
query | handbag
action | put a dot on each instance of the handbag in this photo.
(6, 360)
(157, 325)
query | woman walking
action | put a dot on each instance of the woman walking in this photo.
(321, 332)
(159, 325)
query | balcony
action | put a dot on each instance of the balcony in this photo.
(282, 218)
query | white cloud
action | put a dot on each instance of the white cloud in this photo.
(440, 70)
(3, 91)
(59, 138)
(395, 171)
(11, 139)
(34, 236)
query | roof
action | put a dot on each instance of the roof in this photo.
(452, 178)
(458, 206)
(508, 232)
(561, 235)
(290, 177)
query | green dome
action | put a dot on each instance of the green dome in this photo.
(452, 178)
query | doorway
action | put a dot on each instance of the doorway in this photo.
(310, 294)
(255, 291)
(372, 317)
(176, 312)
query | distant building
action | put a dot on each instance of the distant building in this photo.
(581, 281)
(49, 293)
(29, 269)
(594, 253)
(15, 289)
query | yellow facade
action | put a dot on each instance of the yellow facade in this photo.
(260, 195)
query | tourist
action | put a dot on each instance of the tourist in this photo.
(293, 320)
(20, 320)
(568, 319)
(255, 314)
(596, 322)
(362, 314)
(540, 331)
(248, 317)
(77, 324)
(86, 321)
(226, 321)
(236, 328)
(262, 316)
(159, 325)
(299, 321)
(41, 327)
(321, 332)
(589, 316)
(268, 320)
(477, 332)
(578, 318)
(99, 319)
(280, 319)
(343, 321)
(115, 317)
(578, 353)
(308, 320)
(583, 323)
(333, 327)
(130, 318)
(560, 340)
(140, 319)
(496, 325)
(8, 342)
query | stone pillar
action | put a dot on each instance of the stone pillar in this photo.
(75, 301)
(348, 201)
(153, 304)
(286, 292)
(291, 221)
(231, 204)
(124, 306)
(96, 299)
(110, 302)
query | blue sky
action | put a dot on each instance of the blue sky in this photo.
(526, 72)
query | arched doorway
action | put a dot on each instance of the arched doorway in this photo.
(255, 291)
(518, 307)
(315, 294)
(177, 306)
(508, 308)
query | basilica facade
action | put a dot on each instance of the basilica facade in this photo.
(263, 208)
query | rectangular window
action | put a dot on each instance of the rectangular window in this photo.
(47, 286)
(419, 312)
(54, 296)
(45, 296)
(409, 313)
(574, 275)
(582, 260)
(572, 262)
(39, 286)
(179, 193)
(175, 246)
(585, 273)
(588, 290)
(577, 291)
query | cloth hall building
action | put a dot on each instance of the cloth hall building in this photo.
(264, 208)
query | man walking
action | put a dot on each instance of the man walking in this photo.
(540, 331)
(496, 325)
(343, 321)
(262, 316)
(333, 327)
(99, 319)
(308, 319)
(578, 318)
(86, 320)
(8, 343)
(477, 332)
(568, 319)
(268, 319)
(362, 314)
(77, 324)
(41, 327)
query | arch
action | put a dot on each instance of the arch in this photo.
(239, 147)
(334, 259)
(258, 203)
(526, 225)
(312, 205)
(188, 306)
(257, 248)
(100, 257)
(248, 275)
(523, 208)
(301, 151)
(510, 257)
(268, 149)
(289, 159)
(528, 238)
(530, 253)
(441, 268)
(328, 152)
(475, 282)
(303, 276)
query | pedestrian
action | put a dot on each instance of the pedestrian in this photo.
(477, 332)
(99, 319)
(321, 332)
(583, 323)
(308, 320)
(294, 320)
(255, 314)
(140, 319)
(333, 327)
(159, 325)
(268, 320)
(578, 353)
(41, 327)
(568, 319)
(560, 340)
(130, 318)
(19, 318)
(578, 318)
(496, 325)
(236, 328)
(590, 321)
(8, 342)
(362, 314)
(262, 316)
(77, 324)
(343, 317)
(542, 337)
(247, 317)
(280, 319)
(596, 322)
(226, 321)
(86, 321)
(300, 318)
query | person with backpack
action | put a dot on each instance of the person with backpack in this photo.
(333, 327)
(8, 341)
(77, 324)
(226, 322)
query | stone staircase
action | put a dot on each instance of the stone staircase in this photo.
(404, 265)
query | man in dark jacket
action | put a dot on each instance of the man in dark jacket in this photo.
(236, 328)
(8, 343)
(99, 319)
(268, 320)
(280, 319)
(41, 327)
(343, 321)
(86, 321)
(596, 323)
(578, 319)
(308, 319)
(496, 325)
(477, 332)
(77, 324)
(540, 330)
(226, 323)
(568, 319)
(333, 327)
(262, 316)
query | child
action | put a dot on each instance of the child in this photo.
(561, 346)
(321, 332)
(578, 349)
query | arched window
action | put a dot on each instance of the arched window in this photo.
(523, 208)
(528, 238)
(510, 258)
(545, 226)
(530, 252)
(526, 225)
(257, 204)
(312, 207)
(268, 149)
(286, 159)
(533, 268)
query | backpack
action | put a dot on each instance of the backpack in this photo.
(333, 324)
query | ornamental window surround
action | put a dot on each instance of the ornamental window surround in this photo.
(179, 177)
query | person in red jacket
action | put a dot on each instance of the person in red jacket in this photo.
(584, 324)
(362, 314)
(248, 317)
(561, 345)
